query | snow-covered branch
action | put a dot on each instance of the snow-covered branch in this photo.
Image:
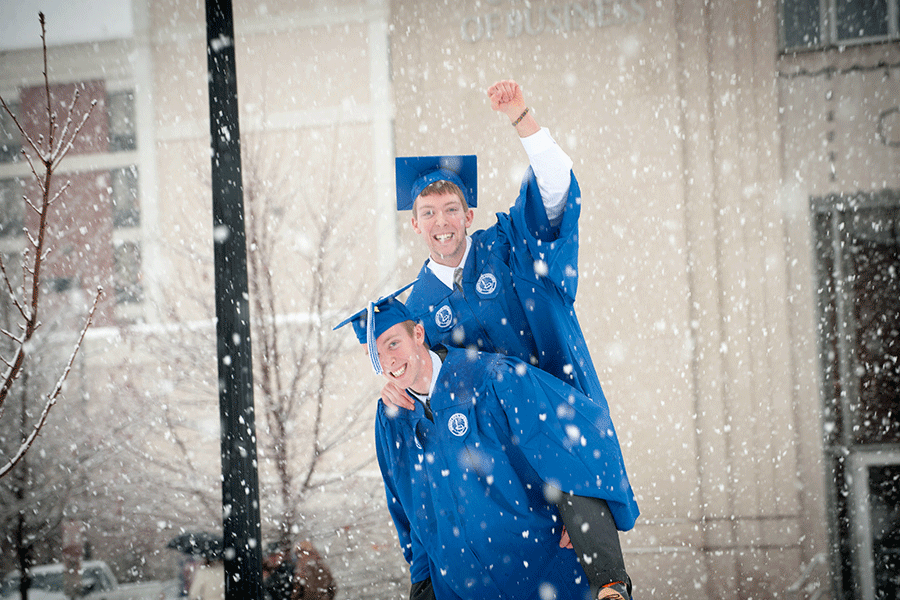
(25, 297)
(55, 158)
(53, 395)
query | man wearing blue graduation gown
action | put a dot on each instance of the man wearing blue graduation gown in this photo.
(520, 276)
(473, 473)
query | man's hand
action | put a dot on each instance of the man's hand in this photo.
(506, 97)
(394, 397)
(564, 541)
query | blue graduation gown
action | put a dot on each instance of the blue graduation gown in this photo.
(466, 490)
(519, 283)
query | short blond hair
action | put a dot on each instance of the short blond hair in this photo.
(436, 189)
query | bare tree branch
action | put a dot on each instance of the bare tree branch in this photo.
(62, 137)
(53, 395)
(28, 303)
(14, 298)
(24, 134)
(57, 158)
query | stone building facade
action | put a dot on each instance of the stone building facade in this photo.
(740, 170)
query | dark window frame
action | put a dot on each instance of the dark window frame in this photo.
(809, 25)
(853, 235)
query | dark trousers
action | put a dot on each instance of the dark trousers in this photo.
(594, 536)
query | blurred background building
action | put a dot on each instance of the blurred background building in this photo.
(739, 266)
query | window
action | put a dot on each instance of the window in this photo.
(124, 195)
(120, 111)
(809, 24)
(126, 216)
(861, 19)
(128, 273)
(10, 137)
(11, 207)
(857, 243)
(876, 534)
(800, 23)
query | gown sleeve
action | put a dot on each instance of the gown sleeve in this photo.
(539, 249)
(413, 550)
(567, 438)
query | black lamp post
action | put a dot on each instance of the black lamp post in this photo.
(240, 483)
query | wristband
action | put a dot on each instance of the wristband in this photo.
(522, 116)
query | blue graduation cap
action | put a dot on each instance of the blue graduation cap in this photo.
(415, 173)
(379, 316)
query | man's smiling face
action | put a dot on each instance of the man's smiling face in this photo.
(442, 221)
(404, 358)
